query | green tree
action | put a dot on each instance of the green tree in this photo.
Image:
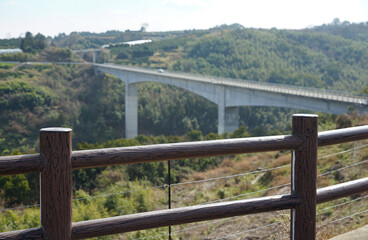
(365, 90)
(241, 132)
(39, 41)
(14, 190)
(194, 135)
(344, 121)
(27, 43)
(31, 44)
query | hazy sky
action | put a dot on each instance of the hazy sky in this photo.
(51, 17)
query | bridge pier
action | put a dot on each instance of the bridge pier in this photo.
(96, 54)
(131, 110)
(94, 57)
(228, 119)
(231, 119)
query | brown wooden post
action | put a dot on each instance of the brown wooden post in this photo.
(56, 182)
(304, 177)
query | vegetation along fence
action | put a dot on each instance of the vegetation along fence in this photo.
(56, 162)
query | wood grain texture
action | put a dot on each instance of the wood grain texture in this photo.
(163, 152)
(18, 164)
(304, 177)
(342, 190)
(344, 135)
(80, 229)
(94, 158)
(32, 234)
(161, 218)
(56, 183)
(56, 162)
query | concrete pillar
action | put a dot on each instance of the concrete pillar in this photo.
(228, 117)
(94, 57)
(221, 119)
(220, 94)
(131, 110)
(231, 119)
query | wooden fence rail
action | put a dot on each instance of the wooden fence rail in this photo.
(56, 161)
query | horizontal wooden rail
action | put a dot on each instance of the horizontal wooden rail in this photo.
(342, 190)
(162, 152)
(161, 218)
(337, 136)
(32, 233)
(20, 164)
(197, 213)
(149, 153)
(140, 221)
(208, 212)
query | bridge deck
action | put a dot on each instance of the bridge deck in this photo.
(262, 86)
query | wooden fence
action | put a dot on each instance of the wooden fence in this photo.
(56, 162)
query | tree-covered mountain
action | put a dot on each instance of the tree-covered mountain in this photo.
(310, 58)
(345, 29)
(73, 96)
(331, 56)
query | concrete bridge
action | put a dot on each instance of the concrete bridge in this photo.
(229, 94)
(95, 53)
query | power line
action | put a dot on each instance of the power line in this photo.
(340, 219)
(337, 205)
(342, 168)
(264, 170)
(90, 197)
(189, 228)
(250, 230)
(349, 150)
(184, 183)
(341, 204)
(231, 176)
(116, 193)
(20, 207)
(246, 194)
(203, 225)
(220, 178)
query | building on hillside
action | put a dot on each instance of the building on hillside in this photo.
(7, 51)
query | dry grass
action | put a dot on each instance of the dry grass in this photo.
(239, 185)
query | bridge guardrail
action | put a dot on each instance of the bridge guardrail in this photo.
(273, 87)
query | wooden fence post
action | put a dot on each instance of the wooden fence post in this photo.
(56, 182)
(304, 177)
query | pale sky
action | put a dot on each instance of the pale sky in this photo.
(51, 17)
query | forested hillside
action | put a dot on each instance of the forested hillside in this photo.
(73, 96)
(304, 58)
(345, 29)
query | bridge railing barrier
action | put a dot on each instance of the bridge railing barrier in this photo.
(56, 162)
(330, 94)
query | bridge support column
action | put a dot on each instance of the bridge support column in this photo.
(221, 103)
(221, 119)
(94, 57)
(228, 119)
(231, 119)
(131, 110)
